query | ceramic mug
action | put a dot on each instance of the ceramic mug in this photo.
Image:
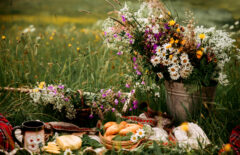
(33, 135)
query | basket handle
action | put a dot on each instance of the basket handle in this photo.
(81, 96)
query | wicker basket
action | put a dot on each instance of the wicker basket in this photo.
(117, 145)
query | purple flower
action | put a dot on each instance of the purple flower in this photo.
(61, 86)
(91, 116)
(50, 88)
(135, 67)
(104, 95)
(66, 99)
(198, 45)
(101, 106)
(119, 53)
(166, 26)
(134, 59)
(115, 35)
(155, 46)
(113, 109)
(130, 109)
(119, 94)
(123, 100)
(101, 90)
(135, 102)
(127, 85)
(143, 83)
(133, 91)
(131, 42)
(116, 101)
(134, 106)
(123, 18)
(138, 72)
(105, 33)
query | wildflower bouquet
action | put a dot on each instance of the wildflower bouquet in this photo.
(60, 98)
(167, 49)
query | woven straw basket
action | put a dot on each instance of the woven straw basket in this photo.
(117, 145)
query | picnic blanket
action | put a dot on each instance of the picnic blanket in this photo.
(6, 140)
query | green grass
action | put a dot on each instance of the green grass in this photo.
(24, 61)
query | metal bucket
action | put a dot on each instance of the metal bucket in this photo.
(181, 103)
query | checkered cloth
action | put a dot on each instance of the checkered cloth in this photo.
(6, 140)
(235, 140)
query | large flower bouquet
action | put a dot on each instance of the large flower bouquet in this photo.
(169, 50)
(71, 103)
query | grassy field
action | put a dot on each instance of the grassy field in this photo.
(67, 47)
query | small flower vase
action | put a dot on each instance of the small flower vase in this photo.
(181, 103)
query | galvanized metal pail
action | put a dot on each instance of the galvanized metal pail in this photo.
(180, 102)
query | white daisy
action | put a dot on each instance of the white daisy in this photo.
(184, 73)
(173, 69)
(158, 50)
(168, 47)
(140, 133)
(155, 61)
(67, 152)
(134, 138)
(184, 55)
(160, 75)
(163, 54)
(166, 62)
(174, 60)
(175, 76)
(184, 60)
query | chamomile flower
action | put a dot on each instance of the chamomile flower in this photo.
(184, 73)
(160, 75)
(173, 69)
(158, 50)
(67, 152)
(184, 60)
(140, 133)
(167, 46)
(166, 62)
(163, 54)
(134, 138)
(174, 60)
(175, 76)
(155, 61)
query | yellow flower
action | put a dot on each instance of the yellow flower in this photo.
(183, 42)
(178, 29)
(69, 45)
(180, 49)
(41, 85)
(136, 53)
(169, 13)
(169, 46)
(201, 36)
(3, 37)
(35, 90)
(171, 22)
(72, 39)
(171, 41)
(78, 49)
(199, 54)
(184, 126)
(51, 38)
(227, 147)
(170, 56)
(176, 41)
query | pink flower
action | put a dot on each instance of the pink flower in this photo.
(143, 83)
(119, 53)
(113, 109)
(127, 85)
(133, 91)
(116, 101)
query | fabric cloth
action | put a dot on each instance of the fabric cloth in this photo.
(6, 140)
(235, 140)
(192, 137)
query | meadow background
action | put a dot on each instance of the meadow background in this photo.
(67, 47)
